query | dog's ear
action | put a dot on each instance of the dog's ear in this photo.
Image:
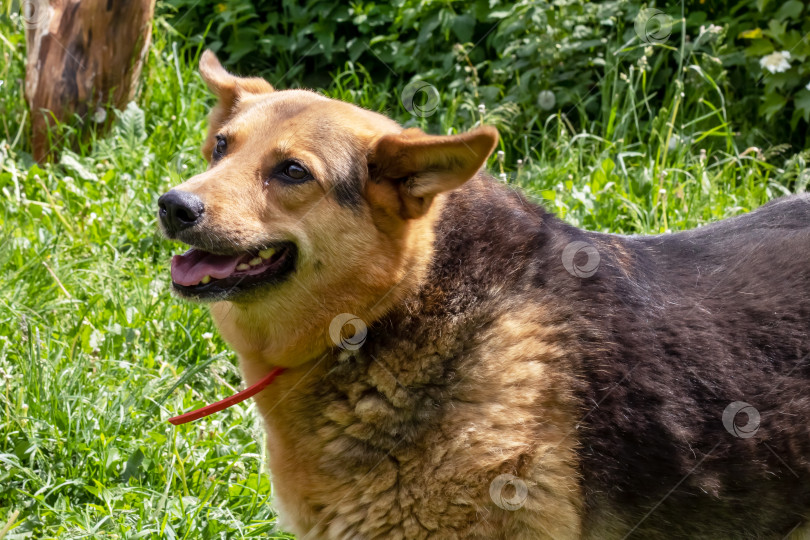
(229, 89)
(408, 169)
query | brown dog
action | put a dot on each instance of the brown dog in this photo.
(461, 364)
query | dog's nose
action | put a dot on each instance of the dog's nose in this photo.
(179, 210)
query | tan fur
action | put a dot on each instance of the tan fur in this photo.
(440, 489)
(363, 261)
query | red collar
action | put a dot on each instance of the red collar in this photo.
(227, 402)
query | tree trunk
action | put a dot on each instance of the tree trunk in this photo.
(84, 58)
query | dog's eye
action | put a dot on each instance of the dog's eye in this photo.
(294, 172)
(220, 147)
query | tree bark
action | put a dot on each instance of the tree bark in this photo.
(84, 58)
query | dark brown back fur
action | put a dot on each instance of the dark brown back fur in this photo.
(668, 332)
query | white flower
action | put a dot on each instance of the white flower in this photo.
(808, 86)
(95, 340)
(207, 335)
(776, 62)
(156, 288)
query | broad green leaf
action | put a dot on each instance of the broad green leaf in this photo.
(790, 10)
(759, 47)
(802, 102)
(772, 104)
(70, 161)
(463, 26)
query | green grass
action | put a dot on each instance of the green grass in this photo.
(96, 354)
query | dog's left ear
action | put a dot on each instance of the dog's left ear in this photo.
(229, 89)
(408, 169)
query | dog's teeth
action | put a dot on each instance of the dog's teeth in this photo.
(206, 280)
(267, 253)
(243, 266)
(256, 261)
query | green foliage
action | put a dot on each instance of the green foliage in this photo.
(95, 354)
(504, 54)
(497, 52)
(779, 46)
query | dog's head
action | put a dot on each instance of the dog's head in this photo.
(310, 207)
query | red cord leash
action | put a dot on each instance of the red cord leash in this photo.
(227, 402)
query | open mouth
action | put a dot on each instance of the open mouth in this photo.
(200, 274)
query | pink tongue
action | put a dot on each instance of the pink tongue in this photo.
(190, 268)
